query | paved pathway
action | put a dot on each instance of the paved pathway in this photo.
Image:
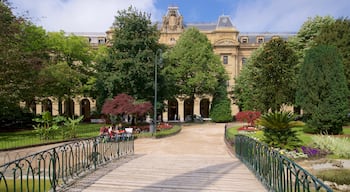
(196, 159)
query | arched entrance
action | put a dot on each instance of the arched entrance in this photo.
(46, 105)
(173, 110)
(85, 108)
(188, 109)
(32, 106)
(204, 108)
(69, 108)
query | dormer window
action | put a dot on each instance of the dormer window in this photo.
(260, 40)
(244, 40)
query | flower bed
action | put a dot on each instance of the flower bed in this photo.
(247, 128)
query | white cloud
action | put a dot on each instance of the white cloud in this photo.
(79, 15)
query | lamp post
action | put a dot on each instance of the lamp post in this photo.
(157, 59)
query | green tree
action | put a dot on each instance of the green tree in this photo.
(338, 34)
(22, 55)
(69, 69)
(273, 76)
(322, 91)
(129, 64)
(245, 89)
(220, 110)
(194, 67)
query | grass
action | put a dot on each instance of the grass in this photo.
(10, 185)
(339, 176)
(17, 139)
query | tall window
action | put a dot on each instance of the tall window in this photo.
(244, 61)
(225, 59)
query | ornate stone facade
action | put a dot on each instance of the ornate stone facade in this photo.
(232, 46)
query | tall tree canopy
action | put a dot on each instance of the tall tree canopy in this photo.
(270, 80)
(22, 55)
(129, 65)
(194, 67)
(338, 34)
(322, 91)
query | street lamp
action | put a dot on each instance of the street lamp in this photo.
(157, 59)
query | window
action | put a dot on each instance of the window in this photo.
(244, 60)
(244, 40)
(260, 40)
(225, 59)
(172, 40)
(101, 41)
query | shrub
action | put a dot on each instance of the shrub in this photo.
(313, 152)
(339, 176)
(248, 116)
(277, 128)
(221, 111)
(334, 145)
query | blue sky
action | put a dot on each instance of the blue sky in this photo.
(246, 15)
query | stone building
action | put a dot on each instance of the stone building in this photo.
(232, 46)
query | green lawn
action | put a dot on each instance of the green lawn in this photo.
(29, 137)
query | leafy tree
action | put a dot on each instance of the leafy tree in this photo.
(70, 67)
(194, 67)
(124, 104)
(220, 110)
(245, 89)
(322, 92)
(129, 65)
(248, 116)
(276, 79)
(338, 34)
(22, 54)
(277, 127)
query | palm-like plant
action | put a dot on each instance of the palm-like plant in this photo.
(277, 127)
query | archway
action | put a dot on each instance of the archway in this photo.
(188, 109)
(69, 108)
(204, 108)
(85, 108)
(173, 110)
(32, 106)
(46, 105)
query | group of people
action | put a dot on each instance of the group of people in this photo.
(113, 132)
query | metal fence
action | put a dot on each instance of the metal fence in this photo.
(276, 171)
(55, 168)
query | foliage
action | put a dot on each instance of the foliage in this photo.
(248, 116)
(125, 104)
(220, 111)
(322, 92)
(278, 132)
(269, 82)
(333, 145)
(46, 126)
(339, 176)
(128, 65)
(276, 80)
(70, 127)
(190, 61)
(22, 54)
(168, 132)
(245, 90)
(337, 34)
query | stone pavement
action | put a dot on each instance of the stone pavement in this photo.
(196, 159)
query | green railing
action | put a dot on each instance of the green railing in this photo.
(276, 171)
(55, 168)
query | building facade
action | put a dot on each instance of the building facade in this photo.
(232, 46)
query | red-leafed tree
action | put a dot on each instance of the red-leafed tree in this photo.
(124, 104)
(248, 116)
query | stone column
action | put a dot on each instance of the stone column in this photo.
(181, 110)
(197, 106)
(39, 108)
(165, 113)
